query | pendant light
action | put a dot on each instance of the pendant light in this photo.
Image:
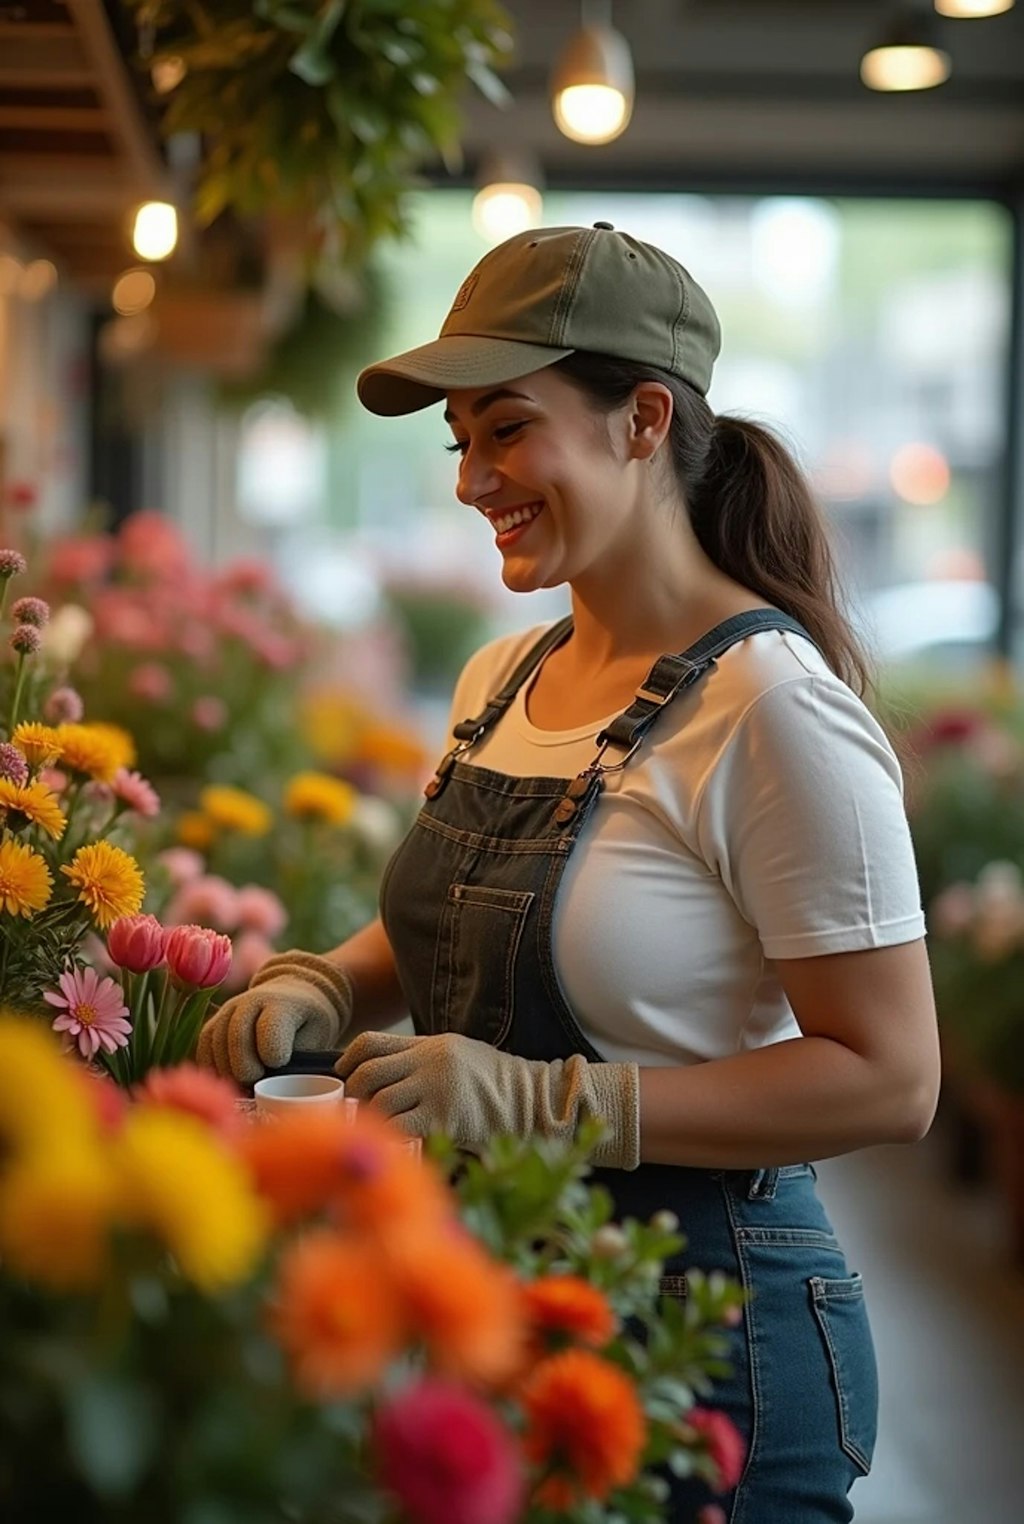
(509, 198)
(592, 84)
(968, 10)
(906, 57)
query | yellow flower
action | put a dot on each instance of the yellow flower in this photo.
(316, 796)
(86, 749)
(57, 1205)
(330, 724)
(392, 750)
(120, 740)
(195, 830)
(181, 1184)
(38, 744)
(108, 881)
(37, 803)
(234, 810)
(40, 1091)
(25, 881)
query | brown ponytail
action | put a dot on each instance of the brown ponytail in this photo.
(750, 505)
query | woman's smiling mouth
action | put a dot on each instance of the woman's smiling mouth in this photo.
(510, 524)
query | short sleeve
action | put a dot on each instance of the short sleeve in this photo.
(803, 818)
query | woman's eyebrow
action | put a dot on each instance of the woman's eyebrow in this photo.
(481, 403)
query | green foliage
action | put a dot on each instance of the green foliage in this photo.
(442, 625)
(323, 110)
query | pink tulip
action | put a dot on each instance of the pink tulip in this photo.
(136, 942)
(197, 956)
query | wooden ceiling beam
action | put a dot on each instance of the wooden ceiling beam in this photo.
(70, 186)
(111, 71)
(55, 118)
(55, 61)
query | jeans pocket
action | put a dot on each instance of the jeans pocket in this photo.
(842, 1317)
(474, 968)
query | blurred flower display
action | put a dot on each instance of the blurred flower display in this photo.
(210, 1316)
(71, 812)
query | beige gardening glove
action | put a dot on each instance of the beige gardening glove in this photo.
(296, 1001)
(473, 1092)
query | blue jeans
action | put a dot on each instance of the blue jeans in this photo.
(804, 1386)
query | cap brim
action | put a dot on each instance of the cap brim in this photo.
(422, 376)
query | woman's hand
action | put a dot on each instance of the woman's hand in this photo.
(473, 1092)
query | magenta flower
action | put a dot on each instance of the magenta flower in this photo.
(13, 767)
(30, 611)
(181, 863)
(25, 640)
(209, 712)
(63, 707)
(260, 910)
(150, 680)
(197, 956)
(136, 942)
(93, 1012)
(133, 790)
(446, 1457)
(205, 901)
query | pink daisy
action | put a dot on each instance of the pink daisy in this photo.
(94, 1013)
(133, 790)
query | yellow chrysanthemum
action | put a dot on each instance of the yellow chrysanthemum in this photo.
(108, 881)
(121, 741)
(331, 724)
(37, 803)
(85, 749)
(317, 796)
(57, 1205)
(26, 883)
(232, 809)
(182, 1185)
(38, 744)
(40, 1091)
(195, 830)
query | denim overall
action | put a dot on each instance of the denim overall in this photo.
(467, 902)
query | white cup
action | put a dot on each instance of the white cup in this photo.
(284, 1093)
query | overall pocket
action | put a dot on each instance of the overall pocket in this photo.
(474, 966)
(842, 1317)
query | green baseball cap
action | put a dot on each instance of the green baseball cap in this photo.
(541, 295)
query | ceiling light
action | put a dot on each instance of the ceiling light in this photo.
(592, 85)
(965, 10)
(155, 233)
(133, 291)
(906, 57)
(509, 199)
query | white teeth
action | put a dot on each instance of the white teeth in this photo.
(518, 516)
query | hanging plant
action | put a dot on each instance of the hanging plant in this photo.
(320, 110)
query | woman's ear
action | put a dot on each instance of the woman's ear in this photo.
(649, 418)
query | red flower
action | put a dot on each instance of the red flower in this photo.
(136, 942)
(197, 956)
(446, 1458)
(723, 1442)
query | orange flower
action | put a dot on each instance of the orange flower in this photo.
(358, 1173)
(567, 1304)
(390, 749)
(335, 1314)
(584, 1417)
(464, 1307)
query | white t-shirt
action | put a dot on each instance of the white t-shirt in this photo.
(761, 818)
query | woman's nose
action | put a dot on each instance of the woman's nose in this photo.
(478, 478)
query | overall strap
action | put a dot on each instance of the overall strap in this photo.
(673, 674)
(472, 730)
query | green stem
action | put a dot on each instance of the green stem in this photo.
(141, 1031)
(19, 683)
(170, 1006)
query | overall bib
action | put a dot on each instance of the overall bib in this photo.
(467, 902)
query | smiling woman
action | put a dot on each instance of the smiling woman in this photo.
(663, 875)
